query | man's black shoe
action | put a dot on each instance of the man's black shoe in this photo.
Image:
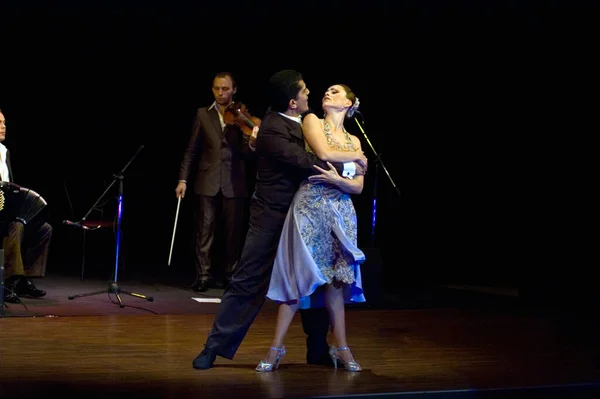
(26, 288)
(204, 360)
(10, 297)
(200, 286)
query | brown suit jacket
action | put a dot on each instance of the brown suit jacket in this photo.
(217, 155)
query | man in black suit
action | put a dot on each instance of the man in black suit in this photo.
(219, 153)
(25, 246)
(282, 164)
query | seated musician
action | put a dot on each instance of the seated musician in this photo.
(25, 245)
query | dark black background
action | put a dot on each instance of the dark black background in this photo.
(461, 98)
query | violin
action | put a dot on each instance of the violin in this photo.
(237, 114)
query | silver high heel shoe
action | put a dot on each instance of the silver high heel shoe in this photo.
(350, 366)
(263, 366)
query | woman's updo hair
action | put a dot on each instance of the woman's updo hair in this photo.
(352, 97)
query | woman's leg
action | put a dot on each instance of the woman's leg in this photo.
(334, 301)
(285, 315)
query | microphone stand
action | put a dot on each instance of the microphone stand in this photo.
(378, 164)
(113, 287)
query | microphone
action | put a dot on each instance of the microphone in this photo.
(76, 224)
(362, 118)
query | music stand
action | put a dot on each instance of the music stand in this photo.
(113, 286)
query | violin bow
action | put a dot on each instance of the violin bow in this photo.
(174, 228)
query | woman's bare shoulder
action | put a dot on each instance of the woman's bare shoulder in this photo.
(311, 118)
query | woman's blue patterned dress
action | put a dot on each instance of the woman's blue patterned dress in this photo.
(318, 245)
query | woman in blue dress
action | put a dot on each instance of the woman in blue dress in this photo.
(318, 261)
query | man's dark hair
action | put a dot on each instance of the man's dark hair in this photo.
(225, 74)
(283, 86)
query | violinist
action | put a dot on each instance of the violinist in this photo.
(216, 154)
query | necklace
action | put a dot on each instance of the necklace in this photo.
(333, 143)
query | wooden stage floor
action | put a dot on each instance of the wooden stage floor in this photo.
(405, 353)
(439, 344)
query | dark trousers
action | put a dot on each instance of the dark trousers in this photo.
(246, 293)
(233, 213)
(26, 249)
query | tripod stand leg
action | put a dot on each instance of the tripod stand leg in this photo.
(120, 301)
(148, 298)
(87, 294)
(113, 288)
